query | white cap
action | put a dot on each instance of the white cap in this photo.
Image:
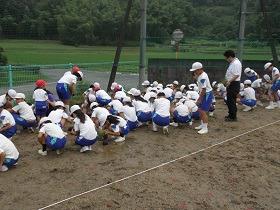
(20, 95)
(137, 93)
(126, 99)
(182, 87)
(214, 83)
(221, 87)
(80, 73)
(266, 77)
(247, 82)
(44, 119)
(91, 97)
(241, 86)
(192, 86)
(118, 97)
(155, 83)
(59, 103)
(146, 83)
(178, 95)
(74, 108)
(160, 85)
(196, 89)
(247, 70)
(93, 104)
(132, 91)
(153, 95)
(114, 84)
(12, 93)
(96, 85)
(267, 65)
(175, 82)
(196, 66)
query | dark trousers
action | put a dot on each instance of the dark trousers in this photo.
(232, 92)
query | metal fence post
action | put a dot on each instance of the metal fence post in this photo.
(10, 76)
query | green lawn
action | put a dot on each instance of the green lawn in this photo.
(52, 52)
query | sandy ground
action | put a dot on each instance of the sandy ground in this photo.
(240, 174)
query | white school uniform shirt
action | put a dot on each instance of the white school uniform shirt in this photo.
(52, 130)
(117, 105)
(249, 93)
(234, 68)
(203, 82)
(25, 111)
(87, 129)
(162, 107)
(129, 113)
(3, 99)
(168, 92)
(191, 105)
(275, 72)
(141, 106)
(182, 110)
(68, 79)
(257, 83)
(101, 114)
(40, 95)
(191, 94)
(122, 122)
(102, 94)
(6, 118)
(57, 115)
(7, 146)
(120, 95)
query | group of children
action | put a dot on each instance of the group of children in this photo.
(111, 116)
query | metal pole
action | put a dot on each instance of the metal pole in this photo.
(10, 73)
(242, 23)
(269, 33)
(143, 35)
(119, 45)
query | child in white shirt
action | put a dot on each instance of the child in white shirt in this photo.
(249, 96)
(7, 123)
(41, 99)
(9, 154)
(59, 116)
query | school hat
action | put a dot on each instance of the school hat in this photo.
(221, 87)
(153, 95)
(155, 83)
(132, 91)
(126, 99)
(19, 95)
(74, 108)
(59, 103)
(160, 85)
(114, 84)
(44, 119)
(214, 83)
(12, 93)
(192, 86)
(146, 83)
(40, 83)
(182, 87)
(178, 95)
(93, 104)
(247, 82)
(266, 77)
(267, 65)
(137, 93)
(96, 86)
(247, 70)
(175, 82)
(196, 66)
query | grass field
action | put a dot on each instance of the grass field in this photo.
(52, 52)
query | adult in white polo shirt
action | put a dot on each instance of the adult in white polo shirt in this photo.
(8, 153)
(233, 76)
(7, 123)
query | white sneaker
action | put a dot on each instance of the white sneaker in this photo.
(119, 139)
(65, 133)
(58, 151)
(43, 153)
(4, 168)
(211, 114)
(247, 109)
(174, 124)
(190, 123)
(155, 127)
(259, 103)
(84, 149)
(270, 107)
(165, 131)
(198, 127)
(90, 148)
(203, 131)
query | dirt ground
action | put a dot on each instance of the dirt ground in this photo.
(240, 174)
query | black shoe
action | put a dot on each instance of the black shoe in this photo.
(226, 116)
(228, 119)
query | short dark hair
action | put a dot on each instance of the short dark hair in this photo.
(160, 94)
(229, 53)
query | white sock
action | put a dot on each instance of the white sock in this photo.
(201, 123)
(67, 109)
(205, 126)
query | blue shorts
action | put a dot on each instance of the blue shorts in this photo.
(212, 108)
(276, 86)
(195, 115)
(41, 108)
(249, 102)
(144, 116)
(124, 131)
(103, 102)
(171, 98)
(113, 111)
(63, 91)
(252, 78)
(55, 143)
(161, 121)
(22, 122)
(9, 162)
(206, 101)
(132, 125)
(181, 119)
(84, 142)
(10, 132)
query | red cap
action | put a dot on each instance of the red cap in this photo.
(40, 83)
(117, 88)
(75, 69)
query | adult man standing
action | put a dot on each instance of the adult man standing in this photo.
(233, 76)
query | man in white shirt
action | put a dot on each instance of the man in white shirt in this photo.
(205, 96)
(8, 154)
(233, 76)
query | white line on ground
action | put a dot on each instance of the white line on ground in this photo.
(158, 166)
